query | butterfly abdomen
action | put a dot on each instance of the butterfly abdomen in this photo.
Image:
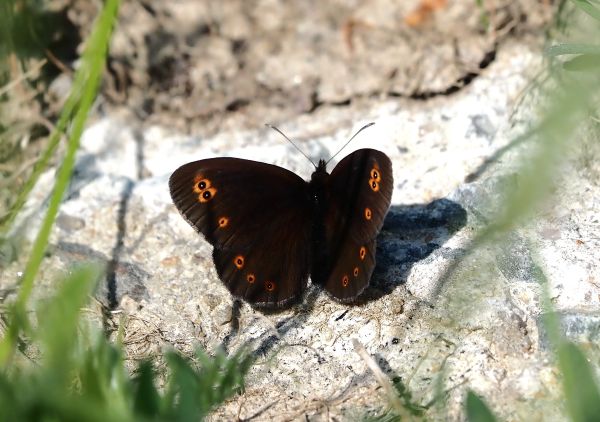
(320, 257)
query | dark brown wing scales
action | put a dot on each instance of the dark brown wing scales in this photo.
(360, 191)
(257, 217)
(275, 268)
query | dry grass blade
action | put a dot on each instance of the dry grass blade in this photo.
(383, 381)
(31, 73)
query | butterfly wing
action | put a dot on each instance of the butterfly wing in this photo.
(257, 216)
(360, 191)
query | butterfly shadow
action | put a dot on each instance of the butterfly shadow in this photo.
(410, 234)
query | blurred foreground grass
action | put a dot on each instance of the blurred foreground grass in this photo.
(563, 121)
(80, 375)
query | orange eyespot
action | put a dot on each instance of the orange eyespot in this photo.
(368, 213)
(269, 286)
(250, 278)
(223, 222)
(207, 195)
(238, 261)
(200, 184)
(375, 175)
(374, 185)
(355, 272)
(345, 281)
(362, 252)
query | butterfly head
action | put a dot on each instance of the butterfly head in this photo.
(320, 174)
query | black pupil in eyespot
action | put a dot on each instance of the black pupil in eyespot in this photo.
(202, 185)
(375, 174)
(206, 195)
(374, 184)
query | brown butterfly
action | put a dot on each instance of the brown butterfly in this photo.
(270, 229)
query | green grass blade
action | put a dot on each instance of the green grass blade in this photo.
(588, 7)
(7, 19)
(477, 410)
(41, 164)
(567, 48)
(580, 388)
(92, 65)
(91, 69)
(8, 397)
(59, 318)
(104, 380)
(147, 401)
(59, 131)
(583, 63)
(81, 78)
(233, 374)
(192, 393)
(568, 109)
(188, 401)
(46, 388)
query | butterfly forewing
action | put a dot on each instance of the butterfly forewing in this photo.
(360, 191)
(257, 217)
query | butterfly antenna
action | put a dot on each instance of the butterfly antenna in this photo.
(350, 140)
(290, 141)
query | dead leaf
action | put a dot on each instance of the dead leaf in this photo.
(423, 12)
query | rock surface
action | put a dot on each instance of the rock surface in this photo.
(481, 329)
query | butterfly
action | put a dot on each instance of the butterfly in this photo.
(270, 229)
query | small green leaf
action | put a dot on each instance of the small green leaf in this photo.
(477, 410)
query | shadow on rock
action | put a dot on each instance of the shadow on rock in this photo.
(410, 233)
(129, 278)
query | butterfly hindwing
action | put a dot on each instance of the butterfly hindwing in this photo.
(360, 191)
(257, 217)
